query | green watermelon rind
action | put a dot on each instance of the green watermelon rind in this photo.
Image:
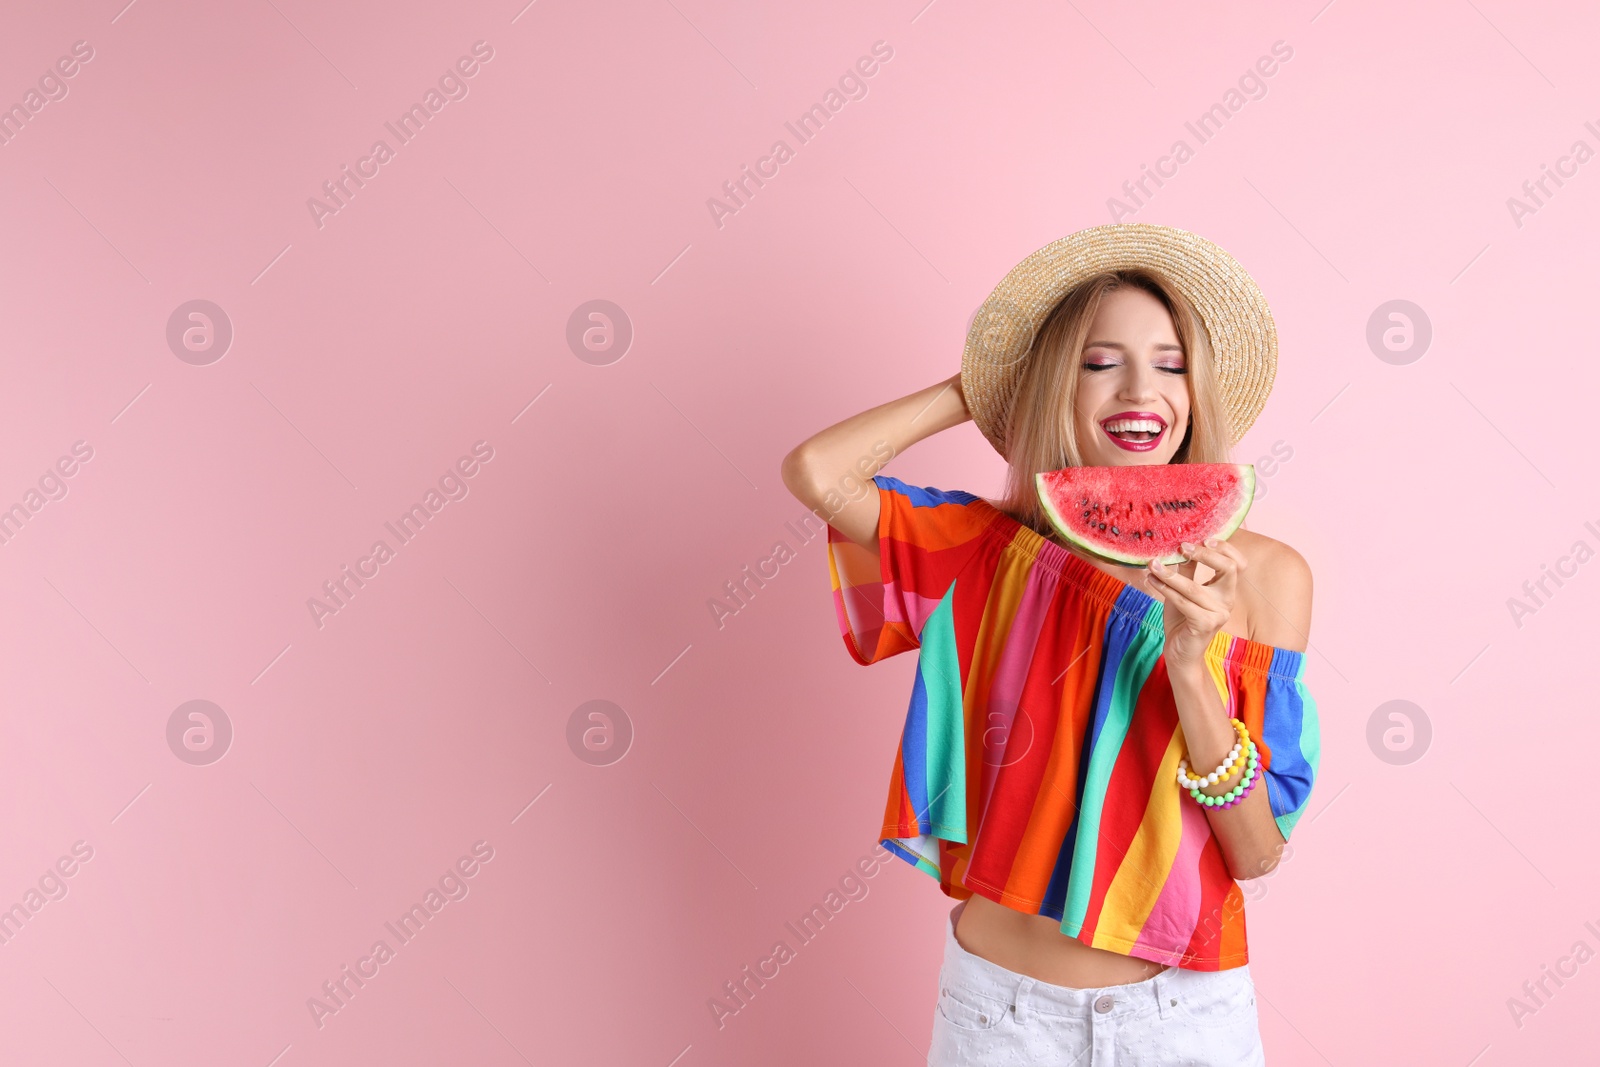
(1247, 482)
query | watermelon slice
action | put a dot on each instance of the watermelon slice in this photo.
(1142, 512)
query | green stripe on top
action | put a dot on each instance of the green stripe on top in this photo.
(946, 753)
(1132, 647)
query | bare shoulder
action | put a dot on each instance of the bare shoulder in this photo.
(1275, 592)
(1269, 556)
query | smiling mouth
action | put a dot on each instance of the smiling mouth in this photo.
(1137, 433)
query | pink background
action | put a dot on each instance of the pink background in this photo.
(370, 353)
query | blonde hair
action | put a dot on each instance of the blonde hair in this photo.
(1040, 432)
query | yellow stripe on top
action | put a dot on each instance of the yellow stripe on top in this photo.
(1136, 887)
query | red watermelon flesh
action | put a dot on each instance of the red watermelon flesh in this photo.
(1138, 513)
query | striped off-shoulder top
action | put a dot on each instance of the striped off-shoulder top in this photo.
(1037, 765)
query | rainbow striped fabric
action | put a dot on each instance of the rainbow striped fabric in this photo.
(1038, 762)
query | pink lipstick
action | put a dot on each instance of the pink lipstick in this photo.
(1136, 431)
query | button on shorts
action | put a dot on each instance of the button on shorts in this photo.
(990, 1015)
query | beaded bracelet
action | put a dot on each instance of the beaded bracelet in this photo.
(1238, 792)
(1226, 769)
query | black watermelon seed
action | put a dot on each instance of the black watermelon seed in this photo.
(1149, 533)
(1102, 526)
(1113, 529)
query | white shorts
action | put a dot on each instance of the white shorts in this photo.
(987, 1014)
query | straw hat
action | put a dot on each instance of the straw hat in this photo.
(1230, 305)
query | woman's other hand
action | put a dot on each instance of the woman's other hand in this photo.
(1193, 612)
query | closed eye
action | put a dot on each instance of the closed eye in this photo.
(1113, 366)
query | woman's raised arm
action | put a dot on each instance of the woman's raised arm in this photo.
(826, 471)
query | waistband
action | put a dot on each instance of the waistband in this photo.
(1160, 992)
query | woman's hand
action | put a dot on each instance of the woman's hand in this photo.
(1193, 612)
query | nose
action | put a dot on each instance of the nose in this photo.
(1139, 384)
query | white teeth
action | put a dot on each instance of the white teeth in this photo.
(1133, 426)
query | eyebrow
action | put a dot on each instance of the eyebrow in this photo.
(1124, 348)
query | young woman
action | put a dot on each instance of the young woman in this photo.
(1057, 697)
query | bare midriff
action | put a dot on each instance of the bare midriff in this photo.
(1035, 946)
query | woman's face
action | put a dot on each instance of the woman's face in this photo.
(1133, 397)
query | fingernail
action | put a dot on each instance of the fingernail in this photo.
(1211, 542)
(1187, 546)
(1157, 566)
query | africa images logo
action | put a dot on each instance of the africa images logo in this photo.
(852, 85)
(452, 85)
(453, 485)
(452, 886)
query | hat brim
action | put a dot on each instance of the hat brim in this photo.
(1232, 309)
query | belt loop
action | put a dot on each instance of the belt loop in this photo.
(1165, 993)
(1019, 1001)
